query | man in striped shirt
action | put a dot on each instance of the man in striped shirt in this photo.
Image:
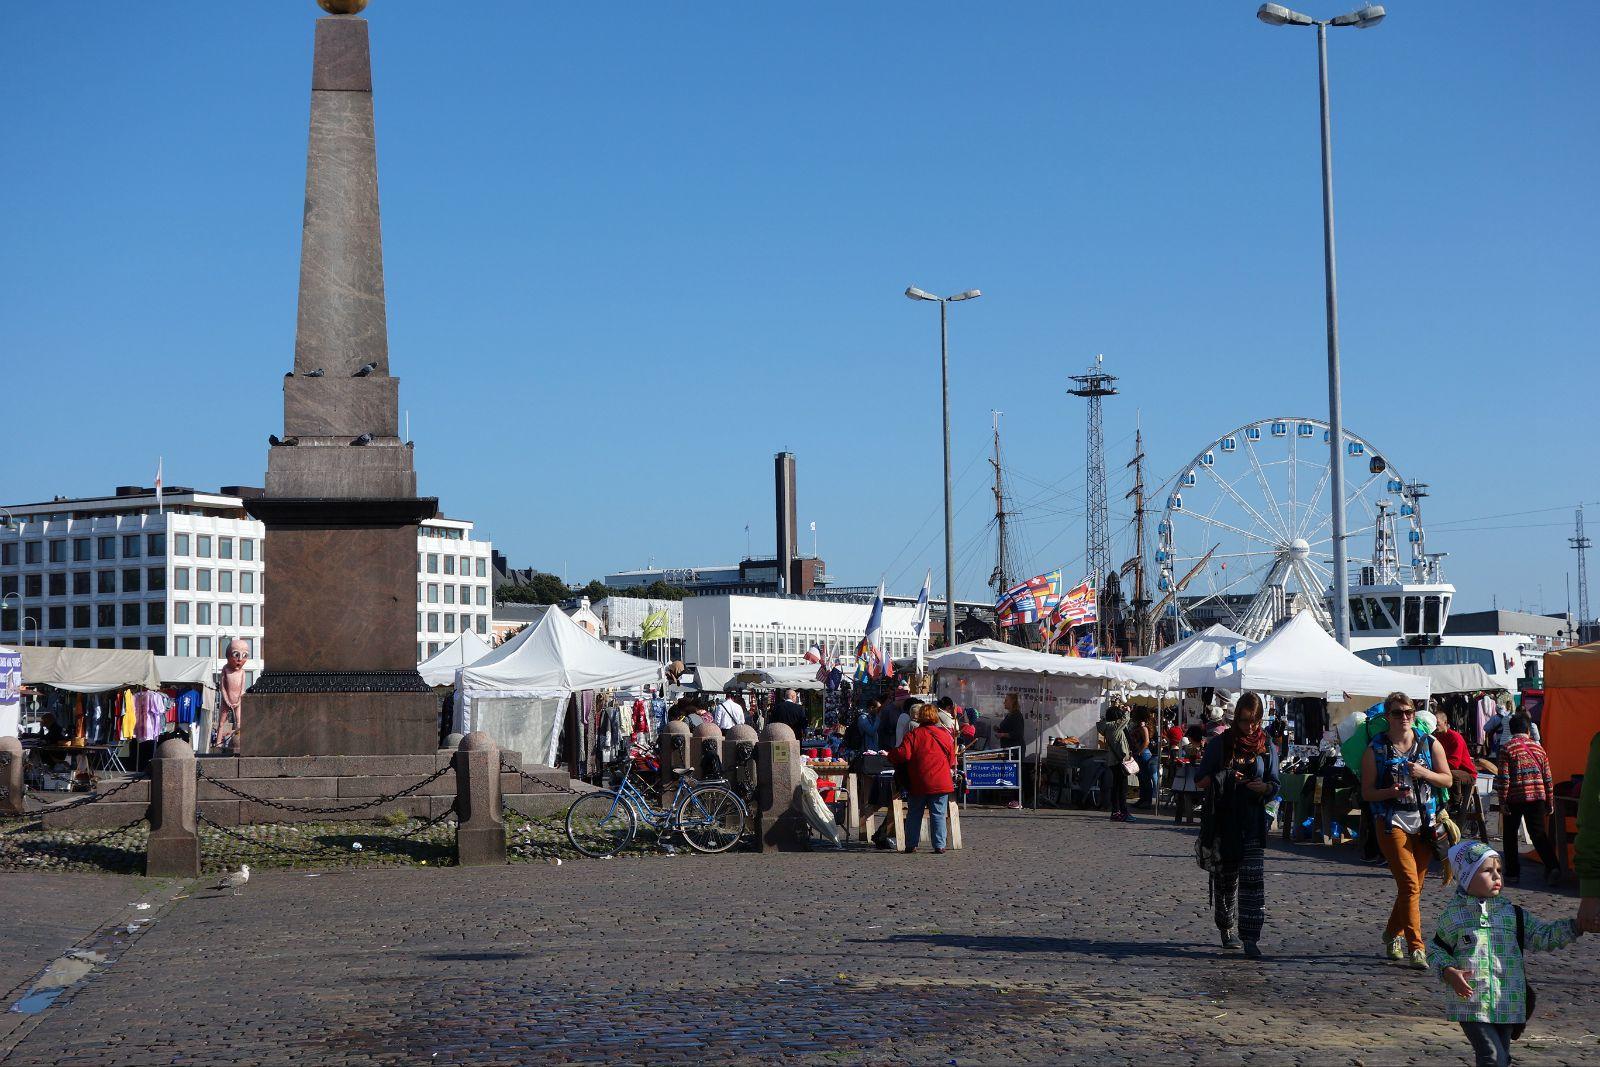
(1527, 795)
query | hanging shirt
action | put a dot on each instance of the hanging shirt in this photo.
(152, 715)
(188, 706)
(127, 721)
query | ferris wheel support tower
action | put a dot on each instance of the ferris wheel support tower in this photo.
(1094, 387)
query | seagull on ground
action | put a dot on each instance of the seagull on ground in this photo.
(235, 879)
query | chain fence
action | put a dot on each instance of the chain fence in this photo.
(92, 798)
(554, 787)
(333, 809)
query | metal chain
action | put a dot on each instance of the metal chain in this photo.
(95, 840)
(506, 768)
(338, 809)
(271, 845)
(80, 802)
(430, 824)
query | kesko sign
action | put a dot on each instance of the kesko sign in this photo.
(10, 692)
(1051, 705)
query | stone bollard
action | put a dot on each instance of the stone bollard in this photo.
(739, 766)
(10, 776)
(480, 827)
(673, 754)
(780, 824)
(174, 847)
(707, 738)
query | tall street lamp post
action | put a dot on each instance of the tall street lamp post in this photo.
(944, 303)
(1365, 18)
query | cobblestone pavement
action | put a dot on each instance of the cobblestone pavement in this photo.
(1052, 938)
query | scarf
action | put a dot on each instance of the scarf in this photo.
(1246, 745)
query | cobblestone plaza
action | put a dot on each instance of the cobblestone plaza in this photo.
(1051, 938)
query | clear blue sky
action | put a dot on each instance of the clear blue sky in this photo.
(633, 250)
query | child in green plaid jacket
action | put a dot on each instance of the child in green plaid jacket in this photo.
(1477, 953)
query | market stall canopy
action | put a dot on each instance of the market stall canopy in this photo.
(995, 656)
(1301, 659)
(1571, 715)
(557, 656)
(776, 678)
(89, 670)
(1204, 649)
(712, 679)
(186, 670)
(1452, 677)
(440, 668)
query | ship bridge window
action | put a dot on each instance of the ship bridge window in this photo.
(1391, 608)
(1358, 613)
(1430, 614)
(1413, 615)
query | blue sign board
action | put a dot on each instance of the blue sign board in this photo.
(994, 774)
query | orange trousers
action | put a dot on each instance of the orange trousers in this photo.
(1409, 856)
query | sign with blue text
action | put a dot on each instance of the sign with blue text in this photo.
(993, 774)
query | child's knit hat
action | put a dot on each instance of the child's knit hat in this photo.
(1465, 858)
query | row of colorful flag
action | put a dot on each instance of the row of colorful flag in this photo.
(1040, 600)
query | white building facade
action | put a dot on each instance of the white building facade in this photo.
(185, 578)
(775, 631)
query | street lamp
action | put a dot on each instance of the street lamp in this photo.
(949, 516)
(1362, 19)
(22, 631)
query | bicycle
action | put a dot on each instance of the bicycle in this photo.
(709, 815)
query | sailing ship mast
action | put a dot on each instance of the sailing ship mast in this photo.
(1141, 598)
(1000, 579)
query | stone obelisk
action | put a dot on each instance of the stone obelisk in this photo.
(341, 506)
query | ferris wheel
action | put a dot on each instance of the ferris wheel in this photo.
(1245, 535)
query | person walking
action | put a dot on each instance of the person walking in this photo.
(1114, 733)
(791, 713)
(1477, 953)
(865, 727)
(1527, 797)
(1239, 772)
(1586, 849)
(928, 754)
(1400, 770)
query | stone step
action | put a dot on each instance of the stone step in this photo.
(234, 812)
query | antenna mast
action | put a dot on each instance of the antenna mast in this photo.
(1141, 598)
(1586, 628)
(1093, 387)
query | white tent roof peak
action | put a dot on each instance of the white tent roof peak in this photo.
(440, 668)
(1210, 646)
(994, 656)
(1301, 659)
(554, 655)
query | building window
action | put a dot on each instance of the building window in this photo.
(105, 642)
(449, 594)
(8, 554)
(483, 624)
(158, 645)
(130, 546)
(419, 622)
(180, 577)
(449, 564)
(224, 581)
(247, 548)
(8, 584)
(480, 571)
(180, 612)
(420, 656)
(202, 579)
(202, 647)
(433, 593)
(82, 550)
(466, 566)
(180, 544)
(180, 646)
(58, 585)
(58, 551)
(155, 578)
(202, 613)
(433, 622)
(202, 545)
(466, 623)
(482, 595)
(247, 581)
(80, 583)
(466, 594)
(449, 624)
(130, 614)
(225, 615)
(433, 563)
(106, 616)
(224, 548)
(155, 544)
(247, 614)
(108, 547)
(130, 642)
(155, 613)
(80, 616)
(130, 580)
(32, 585)
(30, 552)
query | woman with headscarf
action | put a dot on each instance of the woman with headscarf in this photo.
(1239, 773)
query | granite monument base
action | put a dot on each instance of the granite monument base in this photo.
(337, 723)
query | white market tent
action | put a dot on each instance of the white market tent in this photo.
(519, 691)
(712, 679)
(1204, 649)
(997, 656)
(776, 678)
(1301, 659)
(89, 670)
(1452, 677)
(441, 667)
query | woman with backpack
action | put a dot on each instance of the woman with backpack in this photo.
(1239, 773)
(1400, 771)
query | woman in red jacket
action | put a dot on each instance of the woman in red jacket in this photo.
(928, 753)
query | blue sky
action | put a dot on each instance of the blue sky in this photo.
(634, 250)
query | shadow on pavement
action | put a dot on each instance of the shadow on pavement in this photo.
(1117, 950)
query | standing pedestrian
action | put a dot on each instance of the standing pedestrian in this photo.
(1527, 796)
(791, 713)
(1458, 754)
(1114, 733)
(1587, 847)
(1142, 742)
(1400, 770)
(1239, 773)
(1478, 949)
(928, 754)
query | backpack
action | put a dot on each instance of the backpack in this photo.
(1208, 844)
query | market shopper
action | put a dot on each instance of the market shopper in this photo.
(1239, 772)
(1477, 953)
(729, 713)
(791, 713)
(928, 755)
(1114, 735)
(1143, 742)
(1527, 796)
(1587, 847)
(1458, 754)
(863, 733)
(1400, 771)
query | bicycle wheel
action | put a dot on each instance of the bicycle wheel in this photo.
(711, 818)
(601, 824)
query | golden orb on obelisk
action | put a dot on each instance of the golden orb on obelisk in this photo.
(343, 7)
